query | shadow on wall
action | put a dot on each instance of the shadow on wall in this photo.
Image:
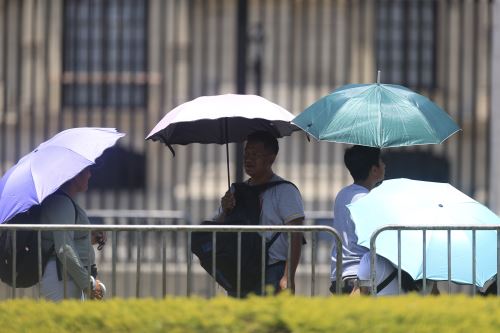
(417, 165)
(120, 169)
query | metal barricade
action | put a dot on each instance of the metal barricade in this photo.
(189, 229)
(424, 228)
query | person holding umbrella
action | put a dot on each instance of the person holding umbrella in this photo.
(367, 170)
(281, 204)
(44, 183)
(370, 115)
(72, 246)
(232, 118)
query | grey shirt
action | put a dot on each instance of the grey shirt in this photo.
(280, 205)
(74, 245)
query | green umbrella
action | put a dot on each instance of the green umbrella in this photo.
(376, 115)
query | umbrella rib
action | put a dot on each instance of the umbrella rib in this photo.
(347, 103)
(400, 116)
(399, 108)
(380, 118)
(327, 110)
(434, 130)
(352, 100)
(358, 101)
(351, 130)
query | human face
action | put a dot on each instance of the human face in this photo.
(81, 181)
(257, 159)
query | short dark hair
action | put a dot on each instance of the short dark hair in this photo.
(360, 159)
(267, 139)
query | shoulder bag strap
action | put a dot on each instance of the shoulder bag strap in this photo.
(387, 280)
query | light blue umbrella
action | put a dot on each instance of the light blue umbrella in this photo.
(376, 115)
(44, 170)
(412, 202)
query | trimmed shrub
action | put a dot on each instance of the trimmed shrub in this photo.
(270, 314)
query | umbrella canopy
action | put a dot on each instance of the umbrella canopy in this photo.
(222, 119)
(411, 202)
(44, 170)
(376, 115)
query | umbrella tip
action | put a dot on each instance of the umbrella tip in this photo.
(378, 77)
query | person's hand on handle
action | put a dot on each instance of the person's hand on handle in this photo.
(99, 291)
(228, 202)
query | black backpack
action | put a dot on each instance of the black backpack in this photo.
(246, 212)
(26, 250)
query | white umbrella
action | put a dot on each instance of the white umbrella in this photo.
(222, 119)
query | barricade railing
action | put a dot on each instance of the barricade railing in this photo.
(424, 228)
(138, 217)
(139, 214)
(189, 229)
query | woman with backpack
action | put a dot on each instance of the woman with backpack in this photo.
(69, 247)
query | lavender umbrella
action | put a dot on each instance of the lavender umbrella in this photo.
(45, 169)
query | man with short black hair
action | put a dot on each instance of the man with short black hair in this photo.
(367, 170)
(280, 205)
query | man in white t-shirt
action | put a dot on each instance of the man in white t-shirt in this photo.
(280, 205)
(368, 170)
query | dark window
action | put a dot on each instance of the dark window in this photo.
(406, 42)
(105, 53)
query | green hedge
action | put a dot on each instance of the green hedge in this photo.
(272, 314)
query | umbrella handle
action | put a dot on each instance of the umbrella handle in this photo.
(227, 160)
(227, 154)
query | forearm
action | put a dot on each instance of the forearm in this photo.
(296, 249)
(66, 254)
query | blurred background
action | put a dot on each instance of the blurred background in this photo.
(126, 63)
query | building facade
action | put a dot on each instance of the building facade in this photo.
(126, 63)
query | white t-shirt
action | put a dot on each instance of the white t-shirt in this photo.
(383, 269)
(342, 222)
(280, 205)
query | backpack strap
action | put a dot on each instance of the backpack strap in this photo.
(275, 237)
(72, 201)
(261, 188)
(268, 185)
(387, 280)
(265, 187)
(58, 262)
